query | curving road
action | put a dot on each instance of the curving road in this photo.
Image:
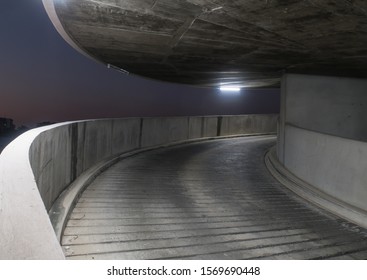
(207, 200)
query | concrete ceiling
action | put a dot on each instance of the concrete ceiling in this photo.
(214, 42)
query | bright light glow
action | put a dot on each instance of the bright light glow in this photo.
(230, 88)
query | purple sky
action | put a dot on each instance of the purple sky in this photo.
(42, 78)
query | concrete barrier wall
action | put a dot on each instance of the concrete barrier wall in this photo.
(331, 105)
(337, 166)
(322, 136)
(159, 131)
(51, 160)
(60, 155)
(38, 166)
(101, 139)
(203, 127)
(247, 124)
(26, 231)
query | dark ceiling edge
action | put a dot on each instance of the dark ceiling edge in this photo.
(51, 12)
(49, 7)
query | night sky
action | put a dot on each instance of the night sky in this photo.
(42, 78)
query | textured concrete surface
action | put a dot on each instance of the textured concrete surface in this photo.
(322, 136)
(39, 165)
(25, 228)
(330, 105)
(335, 166)
(214, 42)
(209, 200)
(336, 203)
(60, 155)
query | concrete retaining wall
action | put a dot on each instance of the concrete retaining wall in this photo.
(40, 164)
(337, 166)
(322, 136)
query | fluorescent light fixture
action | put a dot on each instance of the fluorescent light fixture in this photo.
(230, 88)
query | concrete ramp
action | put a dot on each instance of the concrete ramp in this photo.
(205, 200)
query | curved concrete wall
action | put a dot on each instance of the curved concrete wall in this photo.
(322, 137)
(40, 164)
(60, 155)
(336, 165)
(26, 231)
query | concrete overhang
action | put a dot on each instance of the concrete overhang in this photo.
(215, 42)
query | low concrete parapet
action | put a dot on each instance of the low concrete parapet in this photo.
(40, 165)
